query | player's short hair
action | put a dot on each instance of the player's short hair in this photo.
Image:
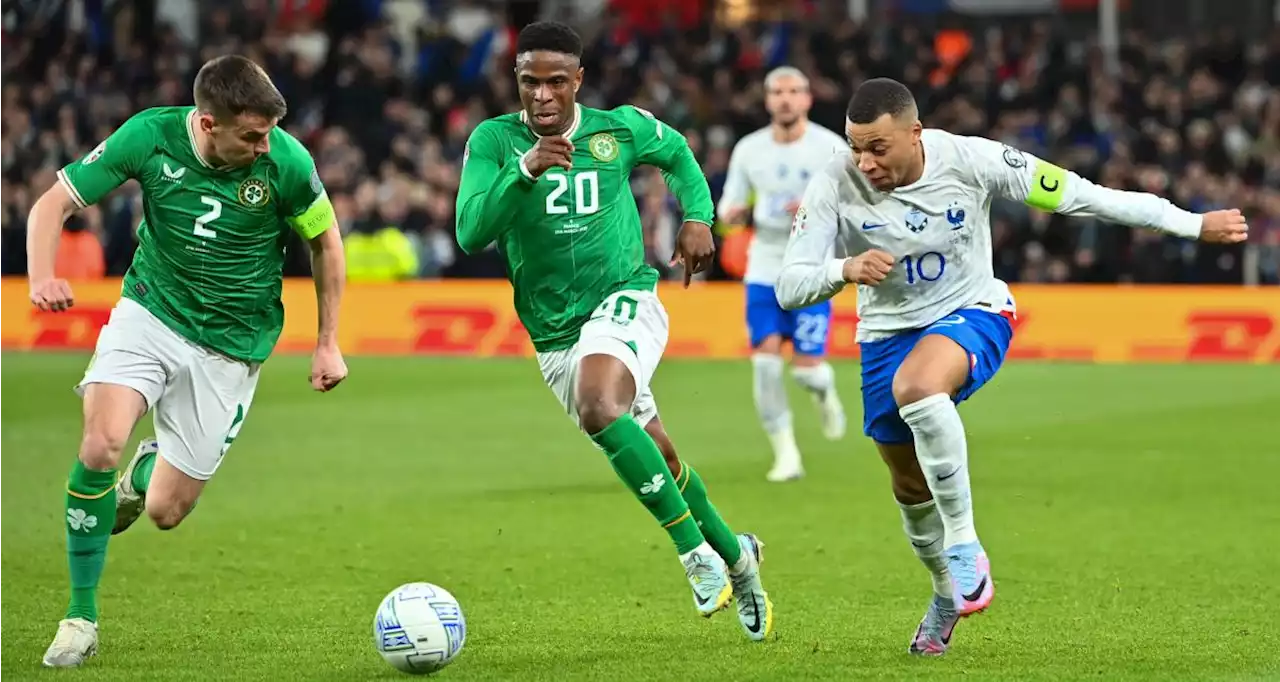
(549, 36)
(771, 78)
(231, 85)
(877, 97)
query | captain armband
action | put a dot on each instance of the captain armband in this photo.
(1048, 187)
(316, 219)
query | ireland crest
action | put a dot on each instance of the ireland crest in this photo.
(603, 146)
(253, 192)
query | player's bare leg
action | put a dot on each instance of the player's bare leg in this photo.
(110, 413)
(742, 554)
(816, 376)
(923, 526)
(171, 495)
(934, 371)
(770, 393)
(152, 484)
(604, 394)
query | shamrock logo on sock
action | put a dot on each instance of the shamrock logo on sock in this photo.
(653, 486)
(79, 520)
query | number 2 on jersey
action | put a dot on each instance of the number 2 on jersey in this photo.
(215, 210)
(927, 267)
(586, 193)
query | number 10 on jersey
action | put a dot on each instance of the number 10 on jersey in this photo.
(927, 267)
(585, 197)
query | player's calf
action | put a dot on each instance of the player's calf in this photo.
(817, 377)
(770, 395)
(604, 393)
(171, 496)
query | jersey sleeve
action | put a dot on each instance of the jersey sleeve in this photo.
(737, 185)
(1019, 176)
(113, 162)
(494, 180)
(658, 144)
(810, 271)
(306, 204)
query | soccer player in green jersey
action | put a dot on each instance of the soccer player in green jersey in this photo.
(199, 312)
(550, 185)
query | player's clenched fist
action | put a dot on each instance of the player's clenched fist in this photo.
(548, 152)
(52, 295)
(1224, 227)
(868, 268)
(695, 249)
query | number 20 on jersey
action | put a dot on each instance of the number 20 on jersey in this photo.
(584, 199)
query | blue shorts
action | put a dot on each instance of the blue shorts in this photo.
(806, 328)
(984, 335)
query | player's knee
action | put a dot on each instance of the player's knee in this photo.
(597, 411)
(101, 447)
(771, 344)
(910, 387)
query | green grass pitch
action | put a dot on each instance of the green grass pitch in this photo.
(1130, 514)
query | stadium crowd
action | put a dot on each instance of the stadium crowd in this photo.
(386, 92)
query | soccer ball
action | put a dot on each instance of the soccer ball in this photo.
(419, 628)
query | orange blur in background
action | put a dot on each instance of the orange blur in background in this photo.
(1103, 323)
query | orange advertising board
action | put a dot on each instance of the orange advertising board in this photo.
(476, 318)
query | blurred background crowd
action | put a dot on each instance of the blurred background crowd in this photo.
(385, 93)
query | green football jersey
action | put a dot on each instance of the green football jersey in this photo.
(571, 238)
(211, 245)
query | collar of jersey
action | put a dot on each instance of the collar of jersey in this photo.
(191, 136)
(568, 134)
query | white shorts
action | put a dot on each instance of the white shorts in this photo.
(200, 397)
(631, 326)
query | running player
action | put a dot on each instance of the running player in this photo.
(199, 312)
(906, 220)
(550, 185)
(775, 163)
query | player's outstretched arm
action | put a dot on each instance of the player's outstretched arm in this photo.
(311, 215)
(44, 227)
(80, 184)
(489, 192)
(1019, 176)
(329, 270)
(810, 271)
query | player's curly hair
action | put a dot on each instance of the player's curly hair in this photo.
(231, 85)
(549, 36)
(877, 97)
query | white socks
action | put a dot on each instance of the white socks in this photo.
(816, 379)
(944, 460)
(923, 526)
(770, 394)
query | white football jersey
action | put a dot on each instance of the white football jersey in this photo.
(778, 174)
(938, 229)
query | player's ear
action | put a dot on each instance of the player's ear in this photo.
(577, 79)
(205, 121)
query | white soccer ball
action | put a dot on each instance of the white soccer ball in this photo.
(419, 628)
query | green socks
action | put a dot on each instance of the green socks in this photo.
(717, 532)
(141, 478)
(91, 513)
(639, 463)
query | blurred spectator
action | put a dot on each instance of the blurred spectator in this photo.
(385, 93)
